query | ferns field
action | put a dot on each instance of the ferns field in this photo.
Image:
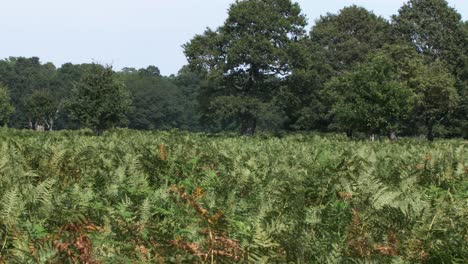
(174, 197)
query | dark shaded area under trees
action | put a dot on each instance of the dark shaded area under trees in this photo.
(354, 72)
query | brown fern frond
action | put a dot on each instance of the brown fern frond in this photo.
(358, 239)
(345, 195)
(391, 247)
(193, 203)
(162, 152)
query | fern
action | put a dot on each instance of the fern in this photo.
(251, 200)
(11, 207)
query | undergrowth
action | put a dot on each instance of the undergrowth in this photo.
(173, 197)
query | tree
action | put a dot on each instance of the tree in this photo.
(436, 95)
(337, 42)
(67, 77)
(188, 82)
(436, 30)
(151, 70)
(6, 109)
(396, 88)
(100, 101)
(42, 109)
(302, 98)
(372, 98)
(348, 37)
(23, 76)
(157, 102)
(247, 56)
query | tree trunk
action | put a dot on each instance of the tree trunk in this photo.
(392, 136)
(48, 123)
(98, 132)
(349, 133)
(430, 131)
(248, 125)
(31, 124)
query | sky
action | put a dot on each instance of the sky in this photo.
(133, 33)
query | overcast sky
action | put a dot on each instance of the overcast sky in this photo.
(132, 33)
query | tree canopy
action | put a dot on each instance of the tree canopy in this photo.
(6, 109)
(100, 101)
(372, 98)
(42, 109)
(354, 71)
(246, 56)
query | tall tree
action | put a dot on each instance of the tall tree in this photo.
(6, 109)
(461, 121)
(437, 96)
(336, 43)
(349, 36)
(436, 30)
(372, 98)
(246, 57)
(100, 101)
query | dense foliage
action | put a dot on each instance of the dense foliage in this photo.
(146, 197)
(99, 101)
(353, 72)
(244, 58)
(109, 195)
(6, 109)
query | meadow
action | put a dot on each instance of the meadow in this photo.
(176, 197)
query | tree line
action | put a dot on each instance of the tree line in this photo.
(34, 95)
(354, 72)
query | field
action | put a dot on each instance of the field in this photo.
(173, 197)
